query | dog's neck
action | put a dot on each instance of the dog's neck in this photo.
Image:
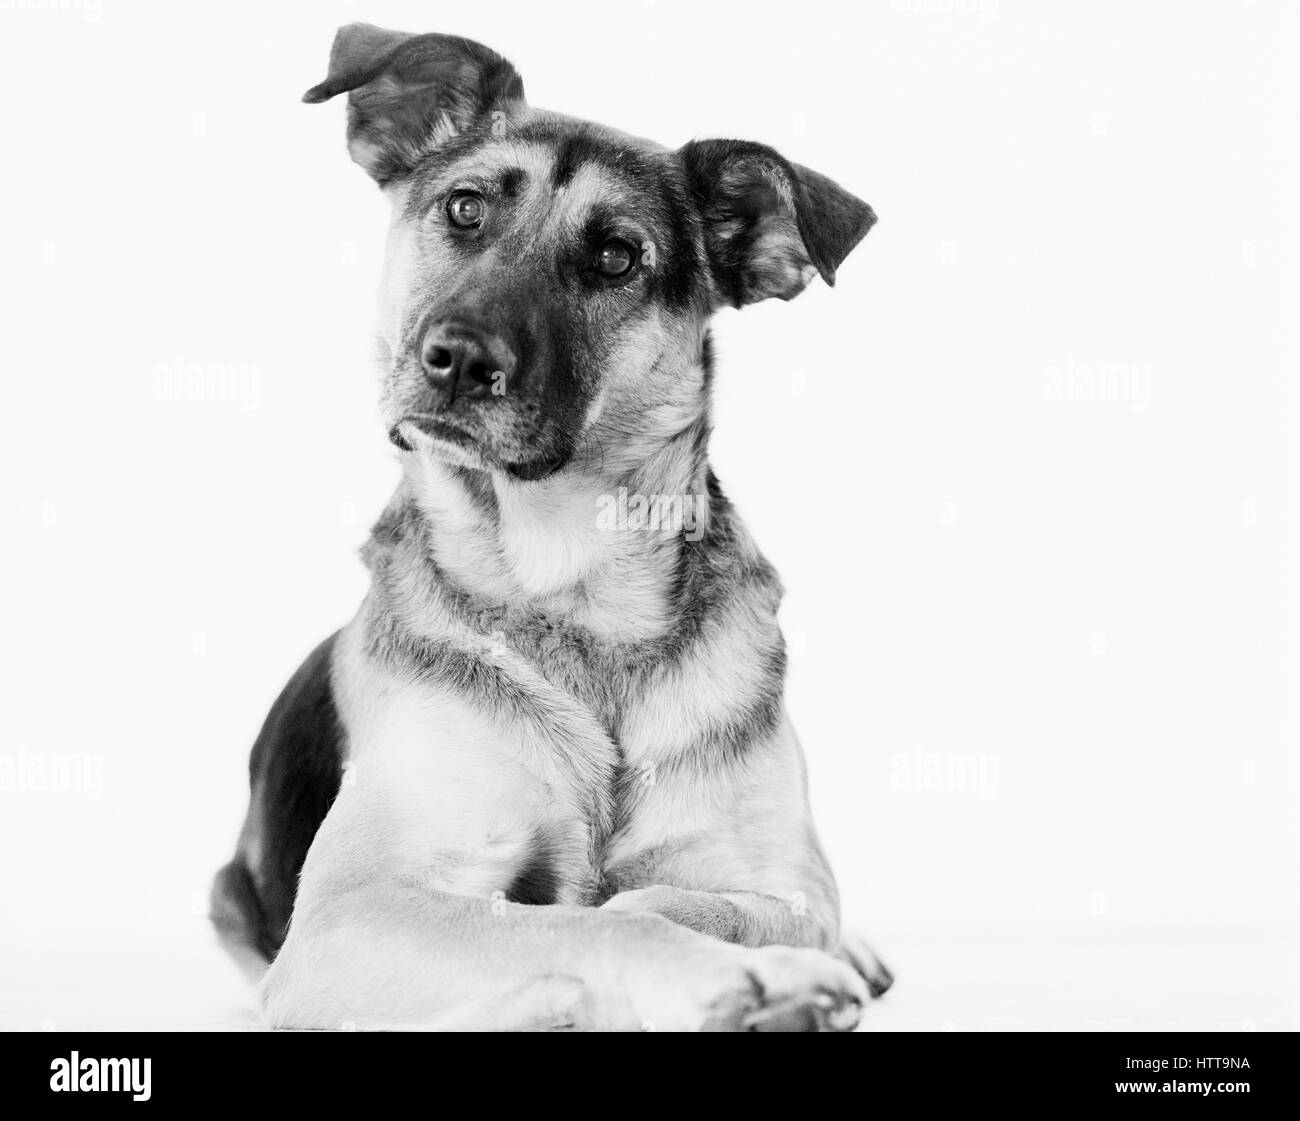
(597, 545)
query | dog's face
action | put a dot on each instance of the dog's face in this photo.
(549, 281)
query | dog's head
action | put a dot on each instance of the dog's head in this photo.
(549, 281)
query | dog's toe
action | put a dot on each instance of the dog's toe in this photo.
(870, 968)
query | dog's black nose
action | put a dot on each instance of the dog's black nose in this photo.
(465, 362)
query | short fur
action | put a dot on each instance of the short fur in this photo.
(545, 777)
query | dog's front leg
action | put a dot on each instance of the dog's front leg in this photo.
(750, 918)
(746, 918)
(392, 957)
(374, 944)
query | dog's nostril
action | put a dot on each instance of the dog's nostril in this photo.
(440, 358)
(481, 373)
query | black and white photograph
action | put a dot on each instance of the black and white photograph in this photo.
(650, 517)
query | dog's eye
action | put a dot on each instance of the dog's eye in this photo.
(466, 209)
(615, 258)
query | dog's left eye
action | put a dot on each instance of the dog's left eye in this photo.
(615, 258)
(466, 209)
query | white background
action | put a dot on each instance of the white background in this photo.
(1039, 631)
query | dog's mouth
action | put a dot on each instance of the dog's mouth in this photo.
(465, 448)
(436, 428)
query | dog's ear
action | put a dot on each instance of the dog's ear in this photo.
(770, 225)
(409, 93)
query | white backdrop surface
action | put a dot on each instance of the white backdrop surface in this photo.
(1024, 471)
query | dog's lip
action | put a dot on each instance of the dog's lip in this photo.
(458, 445)
(436, 427)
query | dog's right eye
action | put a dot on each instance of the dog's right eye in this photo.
(466, 209)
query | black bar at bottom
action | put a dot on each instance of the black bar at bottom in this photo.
(302, 1070)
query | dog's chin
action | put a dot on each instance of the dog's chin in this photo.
(456, 447)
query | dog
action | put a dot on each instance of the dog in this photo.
(545, 779)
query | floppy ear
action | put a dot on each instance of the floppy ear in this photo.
(408, 93)
(770, 225)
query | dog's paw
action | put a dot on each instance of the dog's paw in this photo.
(772, 988)
(795, 990)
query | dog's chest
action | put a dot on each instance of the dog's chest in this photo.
(529, 754)
(595, 676)
(674, 727)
